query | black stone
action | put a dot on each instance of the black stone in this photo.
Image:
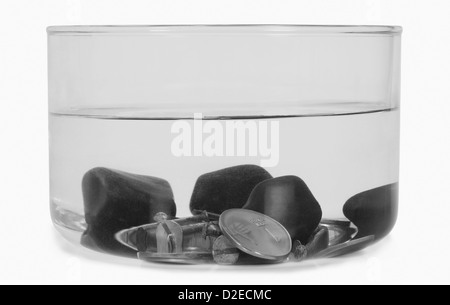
(374, 212)
(115, 200)
(226, 189)
(289, 201)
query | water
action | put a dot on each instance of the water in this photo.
(337, 156)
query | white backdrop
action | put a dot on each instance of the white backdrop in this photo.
(418, 251)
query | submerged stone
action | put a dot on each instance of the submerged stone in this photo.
(374, 212)
(115, 200)
(289, 201)
(226, 189)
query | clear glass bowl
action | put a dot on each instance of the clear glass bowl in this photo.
(153, 125)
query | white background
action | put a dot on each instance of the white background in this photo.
(418, 251)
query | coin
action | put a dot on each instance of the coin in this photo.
(224, 251)
(256, 234)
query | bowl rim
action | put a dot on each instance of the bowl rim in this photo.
(255, 29)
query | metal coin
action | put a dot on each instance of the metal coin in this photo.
(256, 234)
